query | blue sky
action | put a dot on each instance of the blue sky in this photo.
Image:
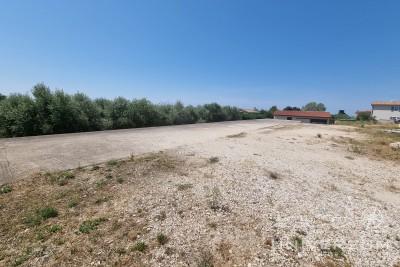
(247, 53)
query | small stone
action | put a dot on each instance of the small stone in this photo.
(395, 146)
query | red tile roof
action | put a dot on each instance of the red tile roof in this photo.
(386, 103)
(303, 114)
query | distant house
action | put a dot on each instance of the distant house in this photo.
(320, 117)
(386, 110)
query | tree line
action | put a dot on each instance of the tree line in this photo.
(53, 112)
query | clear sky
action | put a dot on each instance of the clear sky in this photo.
(247, 53)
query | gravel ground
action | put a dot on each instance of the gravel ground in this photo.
(278, 196)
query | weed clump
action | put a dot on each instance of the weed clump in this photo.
(62, 178)
(112, 162)
(140, 246)
(55, 228)
(4, 189)
(90, 225)
(47, 212)
(73, 203)
(40, 215)
(162, 239)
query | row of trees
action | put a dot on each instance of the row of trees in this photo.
(311, 106)
(48, 112)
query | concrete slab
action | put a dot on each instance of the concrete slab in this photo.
(24, 155)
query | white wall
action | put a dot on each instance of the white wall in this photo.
(293, 118)
(385, 112)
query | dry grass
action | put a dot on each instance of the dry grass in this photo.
(72, 219)
(373, 142)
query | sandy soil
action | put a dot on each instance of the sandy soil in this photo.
(285, 195)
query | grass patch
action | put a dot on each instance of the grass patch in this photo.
(90, 225)
(4, 189)
(47, 212)
(73, 203)
(120, 180)
(55, 228)
(40, 215)
(112, 163)
(374, 142)
(162, 239)
(61, 178)
(140, 246)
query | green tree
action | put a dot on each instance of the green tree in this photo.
(214, 113)
(64, 113)
(89, 117)
(119, 114)
(17, 116)
(314, 106)
(43, 101)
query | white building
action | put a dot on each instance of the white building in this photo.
(386, 110)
